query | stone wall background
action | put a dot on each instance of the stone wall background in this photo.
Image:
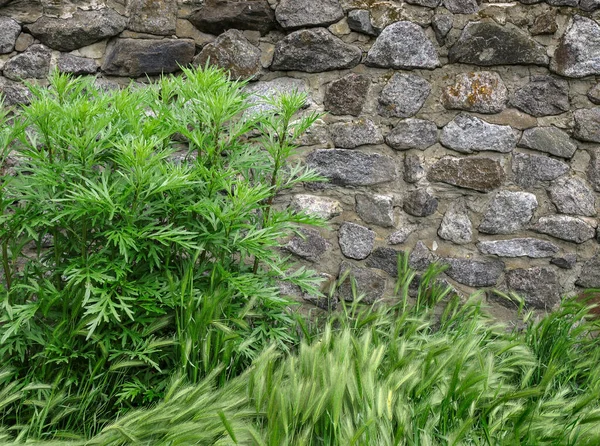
(463, 132)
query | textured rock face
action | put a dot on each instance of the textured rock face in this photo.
(385, 259)
(217, 16)
(508, 212)
(402, 234)
(564, 227)
(474, 273)
(593, 171)
(537, 286)
(550, 140)
(308, 244)
(413, 168)
(403, 96)
(578, 53)
(314, 50)
(412, 134)
(68, 63)
(482, 92)
(590, 273)
(456, 225)
(368, 282)
(421, 257)
(529, 170)
(233, 53)
(573, 196)
(543, 96)
(32, 64)
(403, 45)
(482, 174)
(14, 93)
(152, 16)
(346, 96)
(375, 209)
(518, 247)
(322, 207)
(349, 135)
(292, 14)
(441, 24)
(461, 6)
(270, 90)
(467, 134)
(359, 20)
(420, 203)
(356, 241)
(9, 31)
(587, 124)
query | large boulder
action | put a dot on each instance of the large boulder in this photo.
(217, 16)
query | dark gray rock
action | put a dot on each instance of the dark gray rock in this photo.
(529, 170)
(347, 96)
(375, 209)
(413, 168)
(308, 244)
(543, 96)
(508, 212)
(412, 134)
(594, 94)
(518, 247)
(425, 3)
(369, 283)
(573, 196)
(482, 174)
(359, 20)
(456, 225)
(136, 57)
(593, 170)
(322, 207)
(563, 2)
(420, 203)
(385, 259)
(589, 5)
(217, 16)
(538, 286)
(566, 261)
(468, 134)
(474, 273)
(32, 64)
(84, 28)
(487, 43)
(403, 96)
(9, 32)
(402, 234)
(351, 167)
(314, 50)
(293, 14)
(549, 140)
(68, 63)
(564, 227)
(403, 45)
(157, 17)
(587, 124)
(261, 90)
(14, 93)
(544, 24)
(481, 92)
(461, 6)
(232, 52)
(441, 24)
(356, 241)
(590, 273)
(420, 257)
(349, 135)
(578, 52)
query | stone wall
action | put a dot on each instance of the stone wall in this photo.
(463, 132)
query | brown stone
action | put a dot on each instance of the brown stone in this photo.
(482, 174)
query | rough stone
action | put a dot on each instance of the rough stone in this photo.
(518, 247)
(403, 96)
(9, 34)
(347, 96)
(375, 209)
(308, 244)
(538, 286)
(467, 134)
(461, 6)
(136, 57)
(233, 53)
(474, 273)
(487, 43)
(157, 17)
(420, 257)
(573, 196)
(356, 241)
(549, 140)
(314, 50)
(322, 207)
(420, 203)
(412, 134)
(413, 168)
(403, 45)
(593, 170)
(481, 92)
(587, 124)
(317, 134)
(33, 63)
(84, 28)
(359, 20)
(402, 234)
(566, 261)
(529, 170)
(564, 227)
(441, 24)
(508, 212)
(594, 94)
(481, 174)
(590, 273)
(14, 93)
(351, 167)
(293, 14)
(544, 24)
(349, 135)
(456, 225)
(217, 16)
(369, 283)
(23, 42)
(258, 91)
(589, 5)
(425, 3)
(543, 96)
(578, 51)
(68, 63)
(385, 259)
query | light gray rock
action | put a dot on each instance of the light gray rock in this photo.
(573, 196)
(356, 241)
(564, 227)
(467, 134)
(9, 32)
(518, 247)
(32, 64)
(420, 257)
(261, 90)
(529, 170)
(375, 209)
(402, 234)
(474, 273)
(543, 96)
(314, 50)
(441, 24)
(385, 259)
(481, 92)
(158, 17)
(322, 207)
(587, 124)
(14, 93)
(68, 63)
(217, 16)
(508, 212)
(403, 96)
(232, 52)
(413, 168)
(294, 14)
(359, 20)
(420, 203)
(481, 174)
(549, 140)
(403, 45)
(590, 273)
(308, 244)
(593, 170)
(538, 286)
(594, 94)
(349, 135)
(347, 96)
(369, 283)
(461, 6)
(578, 52)
(456, 225)
(412, 134)
(566, 261)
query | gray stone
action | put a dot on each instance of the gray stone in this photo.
(375, 209)
(589, 5)
(33, 63)
(487, 43)
(481, 92)
(9, 33)
(573, 196)
(594, 94)
(308, 244)
(157, 17)
(316, 135)
(232, 52)
(217, 16)
(456, 225)
(587, 124)
(538, 286)
(293, 14)
(425, 3)
(385, 259)
(593, 170)
(23, 42)
(14, 93)
(347, 96)
(461, 6)
(481, 174)
(259, 91)
(420, 203)
(420, 257)
(544, 24)
(403, 96)
(349, 135)
(369, 283)
(413, 168)
(68, 63)
(359, 20)
(518, 247)
(403, 45)
(351, 167)
(563, 2)
(529, 170)
(474, 273)
(590, 273)
(441, 24)
(136, 57)
(566, 261)
(578, 52)
(356, 241)
(549, 140)
(402, 234)
(84, 28)
(321, 207)
(543, 96)
(467, 134)
(564, 227)
(508, 212)
(314, 50)
(412, 134)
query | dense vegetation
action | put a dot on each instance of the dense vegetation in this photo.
(140, 303)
